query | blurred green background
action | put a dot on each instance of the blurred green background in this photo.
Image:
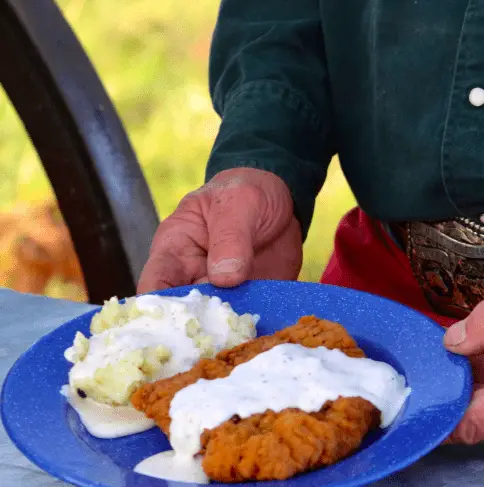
(152, 56)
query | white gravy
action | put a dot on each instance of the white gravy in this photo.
(168, 328)
(170, 466)
(104, 421)
(287, 376)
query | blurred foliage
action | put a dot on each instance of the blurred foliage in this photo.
(152, 57)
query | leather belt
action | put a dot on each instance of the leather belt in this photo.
(447, 259)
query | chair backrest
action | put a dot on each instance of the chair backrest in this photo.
(81, 142)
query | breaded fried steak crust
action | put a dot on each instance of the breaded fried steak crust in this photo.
(270, 445)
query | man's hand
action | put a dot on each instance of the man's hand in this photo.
(467, 338)
(238, 226)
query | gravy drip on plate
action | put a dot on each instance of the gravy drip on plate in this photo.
(287, 376)
(105, 421)
(170, 466)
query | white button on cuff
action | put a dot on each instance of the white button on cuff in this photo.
(476, 97)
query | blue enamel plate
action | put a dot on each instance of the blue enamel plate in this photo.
(49, 433)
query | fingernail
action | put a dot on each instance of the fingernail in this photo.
(456, 334)
(227, 266)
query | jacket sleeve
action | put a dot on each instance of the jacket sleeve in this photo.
(269, 84)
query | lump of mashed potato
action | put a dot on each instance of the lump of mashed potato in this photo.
(151, 337)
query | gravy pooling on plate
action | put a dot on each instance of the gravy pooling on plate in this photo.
(105, 421)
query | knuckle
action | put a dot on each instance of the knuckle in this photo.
(250, 192)
(236, 191)
(228, 236)
(472, 431)
(241, 206)
(189, 201)
(162, 237)
(169, 239)
(257, 200)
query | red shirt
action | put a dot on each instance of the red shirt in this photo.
(367, 259)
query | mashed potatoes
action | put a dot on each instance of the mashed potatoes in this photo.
(148, 338)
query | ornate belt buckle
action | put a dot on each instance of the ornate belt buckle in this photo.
(447, 259)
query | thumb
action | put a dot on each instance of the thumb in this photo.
(467, 336)
(231, 225)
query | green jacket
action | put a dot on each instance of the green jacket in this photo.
(383, 83)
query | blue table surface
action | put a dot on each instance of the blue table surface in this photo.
(25, 318)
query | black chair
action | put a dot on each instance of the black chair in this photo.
(83, 146)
